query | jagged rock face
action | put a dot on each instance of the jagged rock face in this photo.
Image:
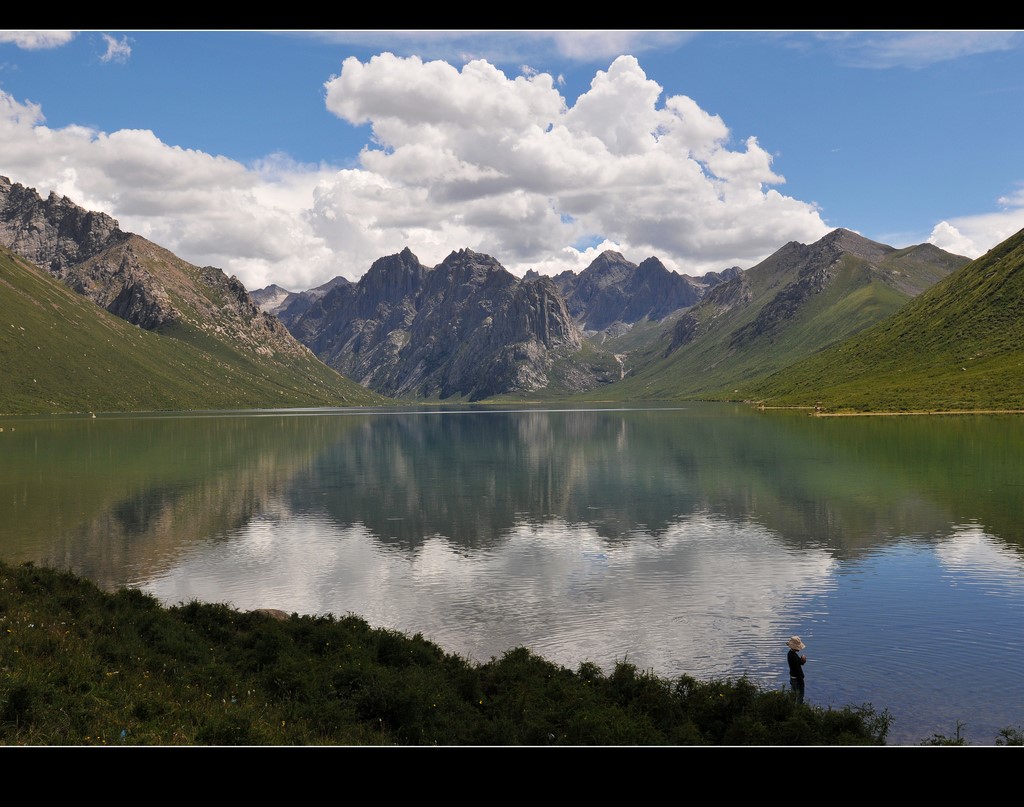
(54, 234)
(466, 328)
(132, 277)
(519, 341)
(614, 292)
(712, 279)
(271, 298)
(227, 309)
(151, 287)
(469, 328)
(479, 332)
(391, 280)
(361, 327)
(596, 295)
(117, 281)
(655, 292)
(724, 297)
(295, 304)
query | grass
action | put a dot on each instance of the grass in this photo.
(956, 347)
(80, 666)
(84, 667)
(734, 348)
(60, 352)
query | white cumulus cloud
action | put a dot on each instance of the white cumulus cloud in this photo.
(972, 236)
(522, 173)
(252, 221)
(37, 40)
(459, 157)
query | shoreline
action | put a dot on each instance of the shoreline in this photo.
(890, 413)
(921, 412)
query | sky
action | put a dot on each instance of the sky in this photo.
(292, 157)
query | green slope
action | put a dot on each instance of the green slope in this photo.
(958, 346)
(795, 303)
(59, 352)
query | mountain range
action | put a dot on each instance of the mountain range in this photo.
(469, 329)
(842, 322)
(223, 352)
(796, 302)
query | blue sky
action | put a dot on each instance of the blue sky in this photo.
(292, 157)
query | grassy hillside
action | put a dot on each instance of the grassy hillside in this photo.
(793, 304)
(958, 346)
(60, 352)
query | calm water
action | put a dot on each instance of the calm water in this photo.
(688, 540)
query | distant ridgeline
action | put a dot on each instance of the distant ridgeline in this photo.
(810, 325)
(469, 329)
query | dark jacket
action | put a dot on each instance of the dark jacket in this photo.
(796, 665)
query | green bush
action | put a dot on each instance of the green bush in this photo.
(84, 667)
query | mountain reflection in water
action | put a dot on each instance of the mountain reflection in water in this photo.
(693, 539)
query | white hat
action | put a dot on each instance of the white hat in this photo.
(794, 643)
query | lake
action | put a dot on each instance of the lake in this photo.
(690, 539)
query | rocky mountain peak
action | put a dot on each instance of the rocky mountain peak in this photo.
(54, 233)
(608, 267)
(843, 240)
(132, 277)
(270, 298)
(652, 267)
(467, 269)
(613, 292)
(711, 280)
(392, 278)
(466, 327)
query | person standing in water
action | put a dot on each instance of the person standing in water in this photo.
(796, 667)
